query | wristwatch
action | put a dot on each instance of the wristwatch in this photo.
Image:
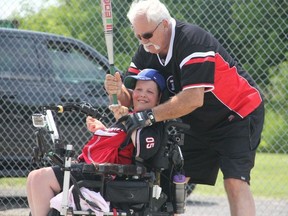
(151, 117)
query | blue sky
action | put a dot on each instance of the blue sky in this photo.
(7, 7)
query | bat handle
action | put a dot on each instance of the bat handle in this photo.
(114, 96)
(114, 99)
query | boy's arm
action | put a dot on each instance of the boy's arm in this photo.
(94, 124)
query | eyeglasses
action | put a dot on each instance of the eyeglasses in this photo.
(147, 35)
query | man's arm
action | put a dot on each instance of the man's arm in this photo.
(179, 105)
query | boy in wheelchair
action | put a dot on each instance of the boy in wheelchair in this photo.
(43, 184)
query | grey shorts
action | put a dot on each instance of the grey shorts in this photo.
(231, 148)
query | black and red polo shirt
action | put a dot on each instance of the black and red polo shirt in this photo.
(196, 59)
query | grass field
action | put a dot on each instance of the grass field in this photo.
(269, 179)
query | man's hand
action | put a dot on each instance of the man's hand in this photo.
(139, 120)
(113, 84)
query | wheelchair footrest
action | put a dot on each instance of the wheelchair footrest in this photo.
(104, 213)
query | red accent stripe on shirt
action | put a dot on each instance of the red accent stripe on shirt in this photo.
(133, 70)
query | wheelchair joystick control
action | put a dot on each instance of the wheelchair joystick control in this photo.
(179, 193)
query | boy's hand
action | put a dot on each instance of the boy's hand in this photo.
(119, 110)
(94, 124)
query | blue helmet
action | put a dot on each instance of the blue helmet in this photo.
(146, 74)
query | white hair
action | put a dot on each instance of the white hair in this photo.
(154, 10)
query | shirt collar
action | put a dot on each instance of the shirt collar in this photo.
(170, 50)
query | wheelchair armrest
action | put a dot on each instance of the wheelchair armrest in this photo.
(116, 169)
(162, 159)
(90, 184)
(176, 124)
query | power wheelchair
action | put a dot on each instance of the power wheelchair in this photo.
(130, 189)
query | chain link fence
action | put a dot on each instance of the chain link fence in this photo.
(255, 32)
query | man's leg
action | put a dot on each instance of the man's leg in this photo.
(238, 159)
(240, 197)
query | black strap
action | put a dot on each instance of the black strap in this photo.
(128, 136)
(77, 191)
(76, 199)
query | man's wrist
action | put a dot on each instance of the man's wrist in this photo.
(151, 116)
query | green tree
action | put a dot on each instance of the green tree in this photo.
(276, 121)
(278, 91)
(258, 35)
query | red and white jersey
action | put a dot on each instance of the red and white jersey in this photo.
(196, 59)
(104, 146)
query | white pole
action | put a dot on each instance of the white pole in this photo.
(64, 205)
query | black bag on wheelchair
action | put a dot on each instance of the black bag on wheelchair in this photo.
(127, 191)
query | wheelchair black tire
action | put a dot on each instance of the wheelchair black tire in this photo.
(54, 212)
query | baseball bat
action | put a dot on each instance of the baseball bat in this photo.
(107, 17)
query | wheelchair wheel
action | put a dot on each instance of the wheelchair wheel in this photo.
(169, 208)
(54, 212)
(190, 188)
